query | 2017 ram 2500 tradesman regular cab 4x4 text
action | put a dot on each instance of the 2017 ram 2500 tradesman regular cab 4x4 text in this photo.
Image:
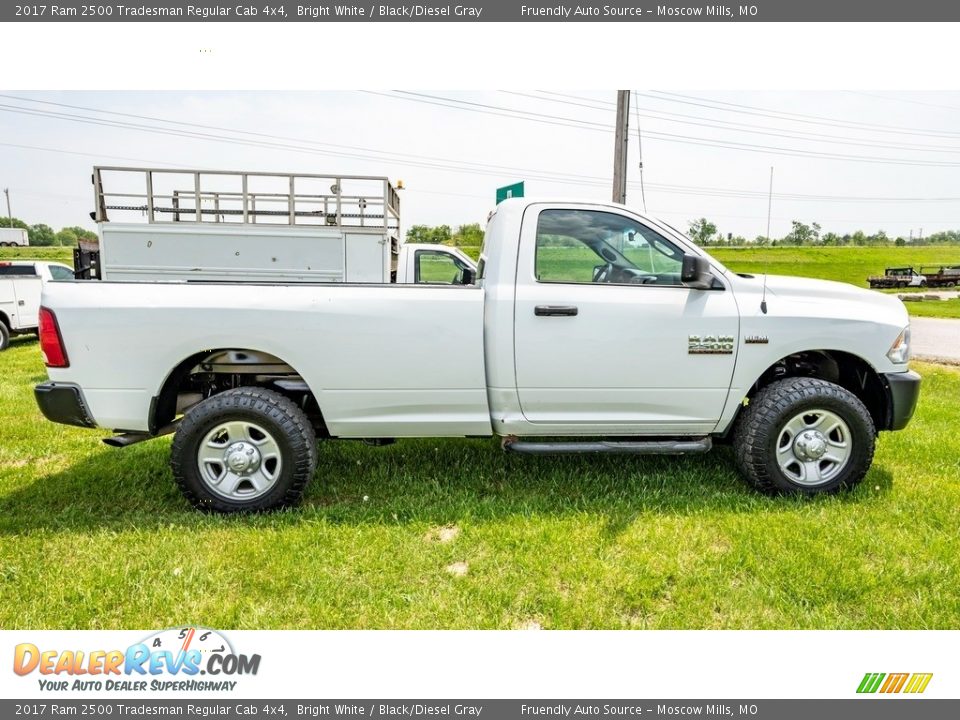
(590, 328)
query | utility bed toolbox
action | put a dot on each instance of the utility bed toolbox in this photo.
(160, 224)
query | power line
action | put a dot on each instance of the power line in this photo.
(709, 142)
(800, 117)
(775, 114)
(593, 181)
(751, 128)
(902, 100)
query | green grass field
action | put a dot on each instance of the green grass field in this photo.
(53, 254)
(456, 534)
(845, 264)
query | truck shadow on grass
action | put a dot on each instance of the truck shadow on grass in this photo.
(433, 482)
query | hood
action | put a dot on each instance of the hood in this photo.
(831, 297)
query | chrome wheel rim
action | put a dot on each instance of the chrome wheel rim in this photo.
(239, 460)
(814, 447)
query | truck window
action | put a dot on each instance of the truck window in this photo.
(437, 268)
(58, 272)
(589, 246)
(19, 270)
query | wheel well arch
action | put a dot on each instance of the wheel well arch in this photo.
(845, 369)
(4, 319)
(208, 372)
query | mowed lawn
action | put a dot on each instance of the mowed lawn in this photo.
(456, 534)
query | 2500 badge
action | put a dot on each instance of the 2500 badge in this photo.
(710, 344)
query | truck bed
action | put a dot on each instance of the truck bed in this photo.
(382, 360)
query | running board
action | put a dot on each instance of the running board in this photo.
(132, 438)
(629, 447)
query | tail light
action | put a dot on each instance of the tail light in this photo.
(51, 342)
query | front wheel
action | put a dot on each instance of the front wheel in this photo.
(244, 450)
(804, 436)
(4, 336)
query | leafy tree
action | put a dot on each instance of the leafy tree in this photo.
(803, 234)
(66, 238)
(427, 234)
(41, 235)
(82, 233)
(418, 234)
(468, 235)
(702, 231)
(16, 222)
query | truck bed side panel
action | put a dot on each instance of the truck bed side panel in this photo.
(383, 360)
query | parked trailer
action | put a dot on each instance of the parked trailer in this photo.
(941, 275)
(14, 237)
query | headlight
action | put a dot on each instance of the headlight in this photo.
(899, 352)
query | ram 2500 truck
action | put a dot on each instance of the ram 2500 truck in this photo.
(590, 328)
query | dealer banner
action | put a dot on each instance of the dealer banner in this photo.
(483, 11)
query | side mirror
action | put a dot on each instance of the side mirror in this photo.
(695, 272)
(468, 276)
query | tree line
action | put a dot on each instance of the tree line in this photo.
(464, 236)
(802, 234)
(41, 235)
(705, 232)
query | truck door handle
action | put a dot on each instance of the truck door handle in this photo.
(555, 310)
(21, 302)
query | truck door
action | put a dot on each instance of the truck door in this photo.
(607, 339)
(27, 289)
(366, 258)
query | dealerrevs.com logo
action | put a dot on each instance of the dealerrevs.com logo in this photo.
(178, 659)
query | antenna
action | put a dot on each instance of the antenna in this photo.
(636, 110)
(763, 298)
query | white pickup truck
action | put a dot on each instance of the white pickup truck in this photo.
(590, 328)
(20, 285)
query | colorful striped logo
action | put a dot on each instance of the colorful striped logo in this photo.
(894, 683)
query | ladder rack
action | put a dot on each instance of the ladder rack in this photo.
(162, 195)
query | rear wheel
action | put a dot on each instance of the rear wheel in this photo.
(244, 450)
(804, 436)
(4, 336)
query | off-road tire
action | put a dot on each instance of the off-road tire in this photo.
(4, 336)
(287, 424)
(759, 425)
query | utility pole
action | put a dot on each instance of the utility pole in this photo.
(6, 191)
(620, 147)
(769, 203)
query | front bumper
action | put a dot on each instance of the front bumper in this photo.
(63, 403)
(903, 389)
